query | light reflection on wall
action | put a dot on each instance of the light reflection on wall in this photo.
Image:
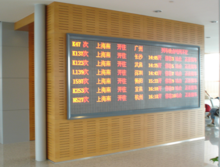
(212, 74)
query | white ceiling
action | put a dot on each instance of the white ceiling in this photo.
(192, 11)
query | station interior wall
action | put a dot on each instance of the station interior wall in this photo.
(14, 85)
(73, 139)
(211, 67)
(1, 126)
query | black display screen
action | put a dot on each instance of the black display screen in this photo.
(114, 76)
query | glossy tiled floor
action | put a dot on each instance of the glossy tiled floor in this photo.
(188, 154)
(211, 141)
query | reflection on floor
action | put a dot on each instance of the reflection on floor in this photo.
(187, 154)
(211, 141)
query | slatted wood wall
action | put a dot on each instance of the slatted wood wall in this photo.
(31, 82)
(73, 139)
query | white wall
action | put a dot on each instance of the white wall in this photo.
(1, 105)
(211, 72)
(15, 85)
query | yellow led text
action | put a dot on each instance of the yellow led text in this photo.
(138, 72)
(103, 81)
(80, 53)
(80, 90)
(104, 90)
(138, 56)
(80, 63)
(80, 72)
(138, 81)
(103, 45)
(76, 44)
(138, 88)
(81, 81)
(104, 99)
(151, 57)
(138, 64)
(84, 99)
(139, 97)
(104, 72)
(103, 54)
(158, 88)
(103, 63)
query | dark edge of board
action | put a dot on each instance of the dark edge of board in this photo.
(127, 41)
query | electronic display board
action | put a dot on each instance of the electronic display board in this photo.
(114, 76)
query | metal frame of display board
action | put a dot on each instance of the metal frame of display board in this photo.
(126, 41)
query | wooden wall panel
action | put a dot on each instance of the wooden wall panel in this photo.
(149, 24)
(50, 19)
(168, 30)
(114, 24)
(24, 24)
(177, 31)
(31, 82)
(73, 139)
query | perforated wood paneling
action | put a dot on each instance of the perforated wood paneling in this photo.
(200, 124)
(114, 24)
(115, 134)
(103, 16)
(126, 25)
(185, 33)
(168, 127)
(177, 31)
(192, 34)
(149, 28)
(200, 35)
(159, 27)
(137, 131)
(31, 82)
(50, 111)
(90, 20)
(72, 139)
(63, 21)
(160, 128)
(77, 17)
(50, 144)
(103, 135)
(78, 138)
(192, 123)
(91, 142)
(57, 105)
(50, 18)
(50, 52)
(137, 27)
(126, 132)
(84, 138)
(56, 57)
(168, 26)
(184, 122)
(177, 126)
(63, 140)
(149, 137)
